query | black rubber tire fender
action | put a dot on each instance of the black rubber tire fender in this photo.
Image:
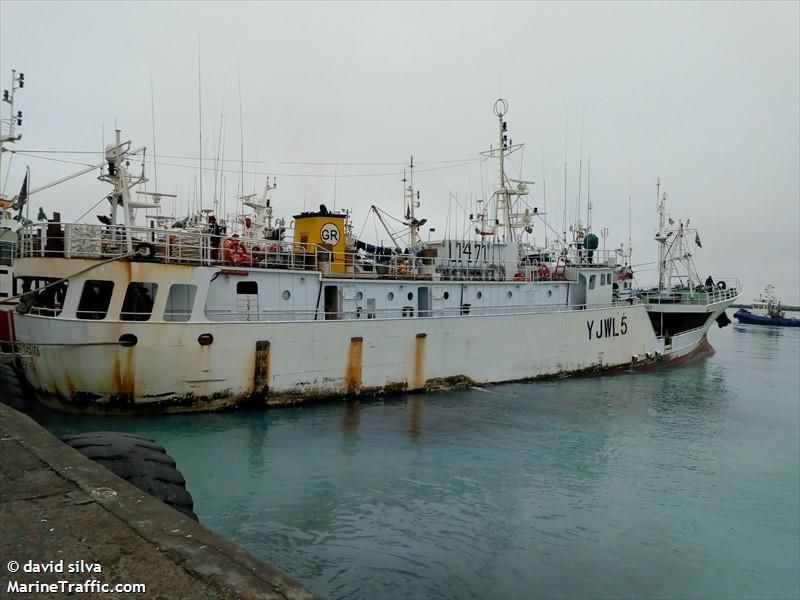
(140, 461)
(145, 251)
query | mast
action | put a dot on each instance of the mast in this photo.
(117, 175)
(14, 120)
(661, 236)
(200, 119)
(505, 219)
(589, 196)
(412, 203)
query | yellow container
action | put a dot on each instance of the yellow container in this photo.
(323, 234)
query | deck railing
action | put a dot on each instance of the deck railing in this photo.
(724, 289)
(195, 247)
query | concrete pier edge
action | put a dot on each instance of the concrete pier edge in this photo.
(223, 569)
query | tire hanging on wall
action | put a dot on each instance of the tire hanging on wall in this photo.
(140, 461)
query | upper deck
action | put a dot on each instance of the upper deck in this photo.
(466, 260)
(700, 297)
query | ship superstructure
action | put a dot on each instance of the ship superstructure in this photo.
(189, 316)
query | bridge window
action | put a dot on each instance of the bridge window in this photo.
(138, 302)
(46, 295)
(95, 299)
(180, 302)
(592, 279)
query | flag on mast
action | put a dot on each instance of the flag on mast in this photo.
(697, 239)
(22, 198)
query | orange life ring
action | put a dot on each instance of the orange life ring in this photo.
(235, 252)
(520, 276)
(544, 272)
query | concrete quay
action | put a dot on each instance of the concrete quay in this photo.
(57, 505)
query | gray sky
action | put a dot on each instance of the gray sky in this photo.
(705, 96)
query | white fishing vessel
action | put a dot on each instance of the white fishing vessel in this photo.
(125, 317)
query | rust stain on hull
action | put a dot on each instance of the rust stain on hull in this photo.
(418, 379)
(352, 376)
(82, 402)
(123, 400)
(124, 373)
(261, 368)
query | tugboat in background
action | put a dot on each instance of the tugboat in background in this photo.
(766, 310)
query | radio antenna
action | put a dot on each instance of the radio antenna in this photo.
(153, 117)
(200, 119)
(241, 132)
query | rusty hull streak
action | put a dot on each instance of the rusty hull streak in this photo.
(123, 403)
(124, 374)
(418, 379)
(88, 403)
(261, 370)
(352, 376)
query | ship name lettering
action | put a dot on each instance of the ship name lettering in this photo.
(607, 327)
(471, 251)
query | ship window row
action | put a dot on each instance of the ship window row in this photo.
(605, 279)
(137, 305)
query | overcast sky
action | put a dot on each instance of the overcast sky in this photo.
(704, 96)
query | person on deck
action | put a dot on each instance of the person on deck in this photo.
(216, 235)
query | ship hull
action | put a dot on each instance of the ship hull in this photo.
(285, 363)
(746, 317)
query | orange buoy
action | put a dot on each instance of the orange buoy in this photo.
(544, 272)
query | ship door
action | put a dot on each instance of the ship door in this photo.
(331, 302)
(424, 302)
(247, 300)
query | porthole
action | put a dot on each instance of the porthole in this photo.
(359, 295)
(205, 339)
(410, 295)
(127, 340)
(286, 294)
(508, 295)
(479, 295)
(390, 296)
(446, 295)
(549, 293)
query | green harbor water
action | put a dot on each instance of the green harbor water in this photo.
(679, 483)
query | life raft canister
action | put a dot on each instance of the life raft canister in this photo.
(544, 272)
(520, 276)
(234, 251)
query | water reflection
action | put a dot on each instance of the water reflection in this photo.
(351, 417)
(415, 404)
